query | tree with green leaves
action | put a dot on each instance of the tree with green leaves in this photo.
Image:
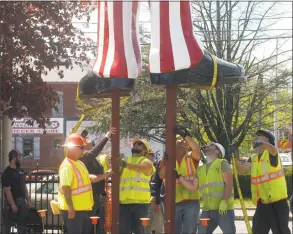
(35, 38)
(231, 31)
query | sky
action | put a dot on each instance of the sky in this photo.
(282, 26)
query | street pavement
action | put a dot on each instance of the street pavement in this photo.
(250, 213)
(241, 228)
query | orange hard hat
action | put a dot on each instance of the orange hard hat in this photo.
(74, 140)
(145, 143)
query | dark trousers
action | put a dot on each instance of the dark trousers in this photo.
(19, 218)
(81, 224)
(274, 216)
(130, 215)
(99, 210)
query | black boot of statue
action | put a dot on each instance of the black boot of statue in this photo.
(94, 86)
(202, 74)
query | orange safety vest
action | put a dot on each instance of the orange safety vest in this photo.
(81, 188)
(187, 170)
(268, 183)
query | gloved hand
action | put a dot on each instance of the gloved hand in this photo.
(183, 132)
(223, 207)
(122, 162)
(257, 144)
(177, 174)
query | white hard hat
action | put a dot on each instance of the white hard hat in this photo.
(220, 147)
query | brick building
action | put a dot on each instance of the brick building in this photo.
(41, 147)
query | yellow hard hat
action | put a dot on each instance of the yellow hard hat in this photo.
(145, 143)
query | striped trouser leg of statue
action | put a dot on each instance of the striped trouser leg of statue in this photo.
(118, 50)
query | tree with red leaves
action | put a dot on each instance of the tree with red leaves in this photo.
(36, 37)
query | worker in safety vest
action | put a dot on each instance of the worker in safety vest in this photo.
(75, 195)
(94, 167)
(187, 202)
(134, 188)
(268, 186)
(105, 161)
(214, 180)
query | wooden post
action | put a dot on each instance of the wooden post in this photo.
(171, 162)
(115, 165)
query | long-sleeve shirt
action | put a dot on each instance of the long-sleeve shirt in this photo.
(94, 166)
(156, 184)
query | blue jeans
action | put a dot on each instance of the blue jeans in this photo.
(225, 222)
(187, 214)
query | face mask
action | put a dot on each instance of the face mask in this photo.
(17, 163)
(135, 151)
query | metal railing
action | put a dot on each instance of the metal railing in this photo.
(42, 188)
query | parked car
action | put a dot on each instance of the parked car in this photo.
(38, 175)
(286, 159)
(41, 193)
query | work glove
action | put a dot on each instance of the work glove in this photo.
(183, 132)
(177, 174)
(223, 207)
(257, 144)
(122, 162)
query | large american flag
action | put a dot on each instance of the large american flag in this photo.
(173, 44)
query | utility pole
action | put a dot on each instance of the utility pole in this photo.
(276, 124)
(1, 72)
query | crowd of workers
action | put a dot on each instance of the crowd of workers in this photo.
(84, 171)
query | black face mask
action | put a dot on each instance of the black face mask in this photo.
(135, 151)
(17, 163)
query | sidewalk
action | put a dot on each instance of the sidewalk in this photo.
(250, 212)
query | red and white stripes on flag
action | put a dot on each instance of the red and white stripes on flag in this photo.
(118, 51)
(173, 44)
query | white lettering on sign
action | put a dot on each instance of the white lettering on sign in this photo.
(54, 126)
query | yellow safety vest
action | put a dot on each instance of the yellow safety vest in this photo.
(103, 160)
(267, 183)
(212, 186)
(134, 186)
(187, 170)
(81, 188)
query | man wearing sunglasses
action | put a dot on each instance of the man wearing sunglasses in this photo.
(187, 203)
(214, 180)
(268, 186)
(75, 195)
(134, 188)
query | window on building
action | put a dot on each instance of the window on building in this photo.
(12, 143)
(58, 113)
(57, 143)
(29, 147)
